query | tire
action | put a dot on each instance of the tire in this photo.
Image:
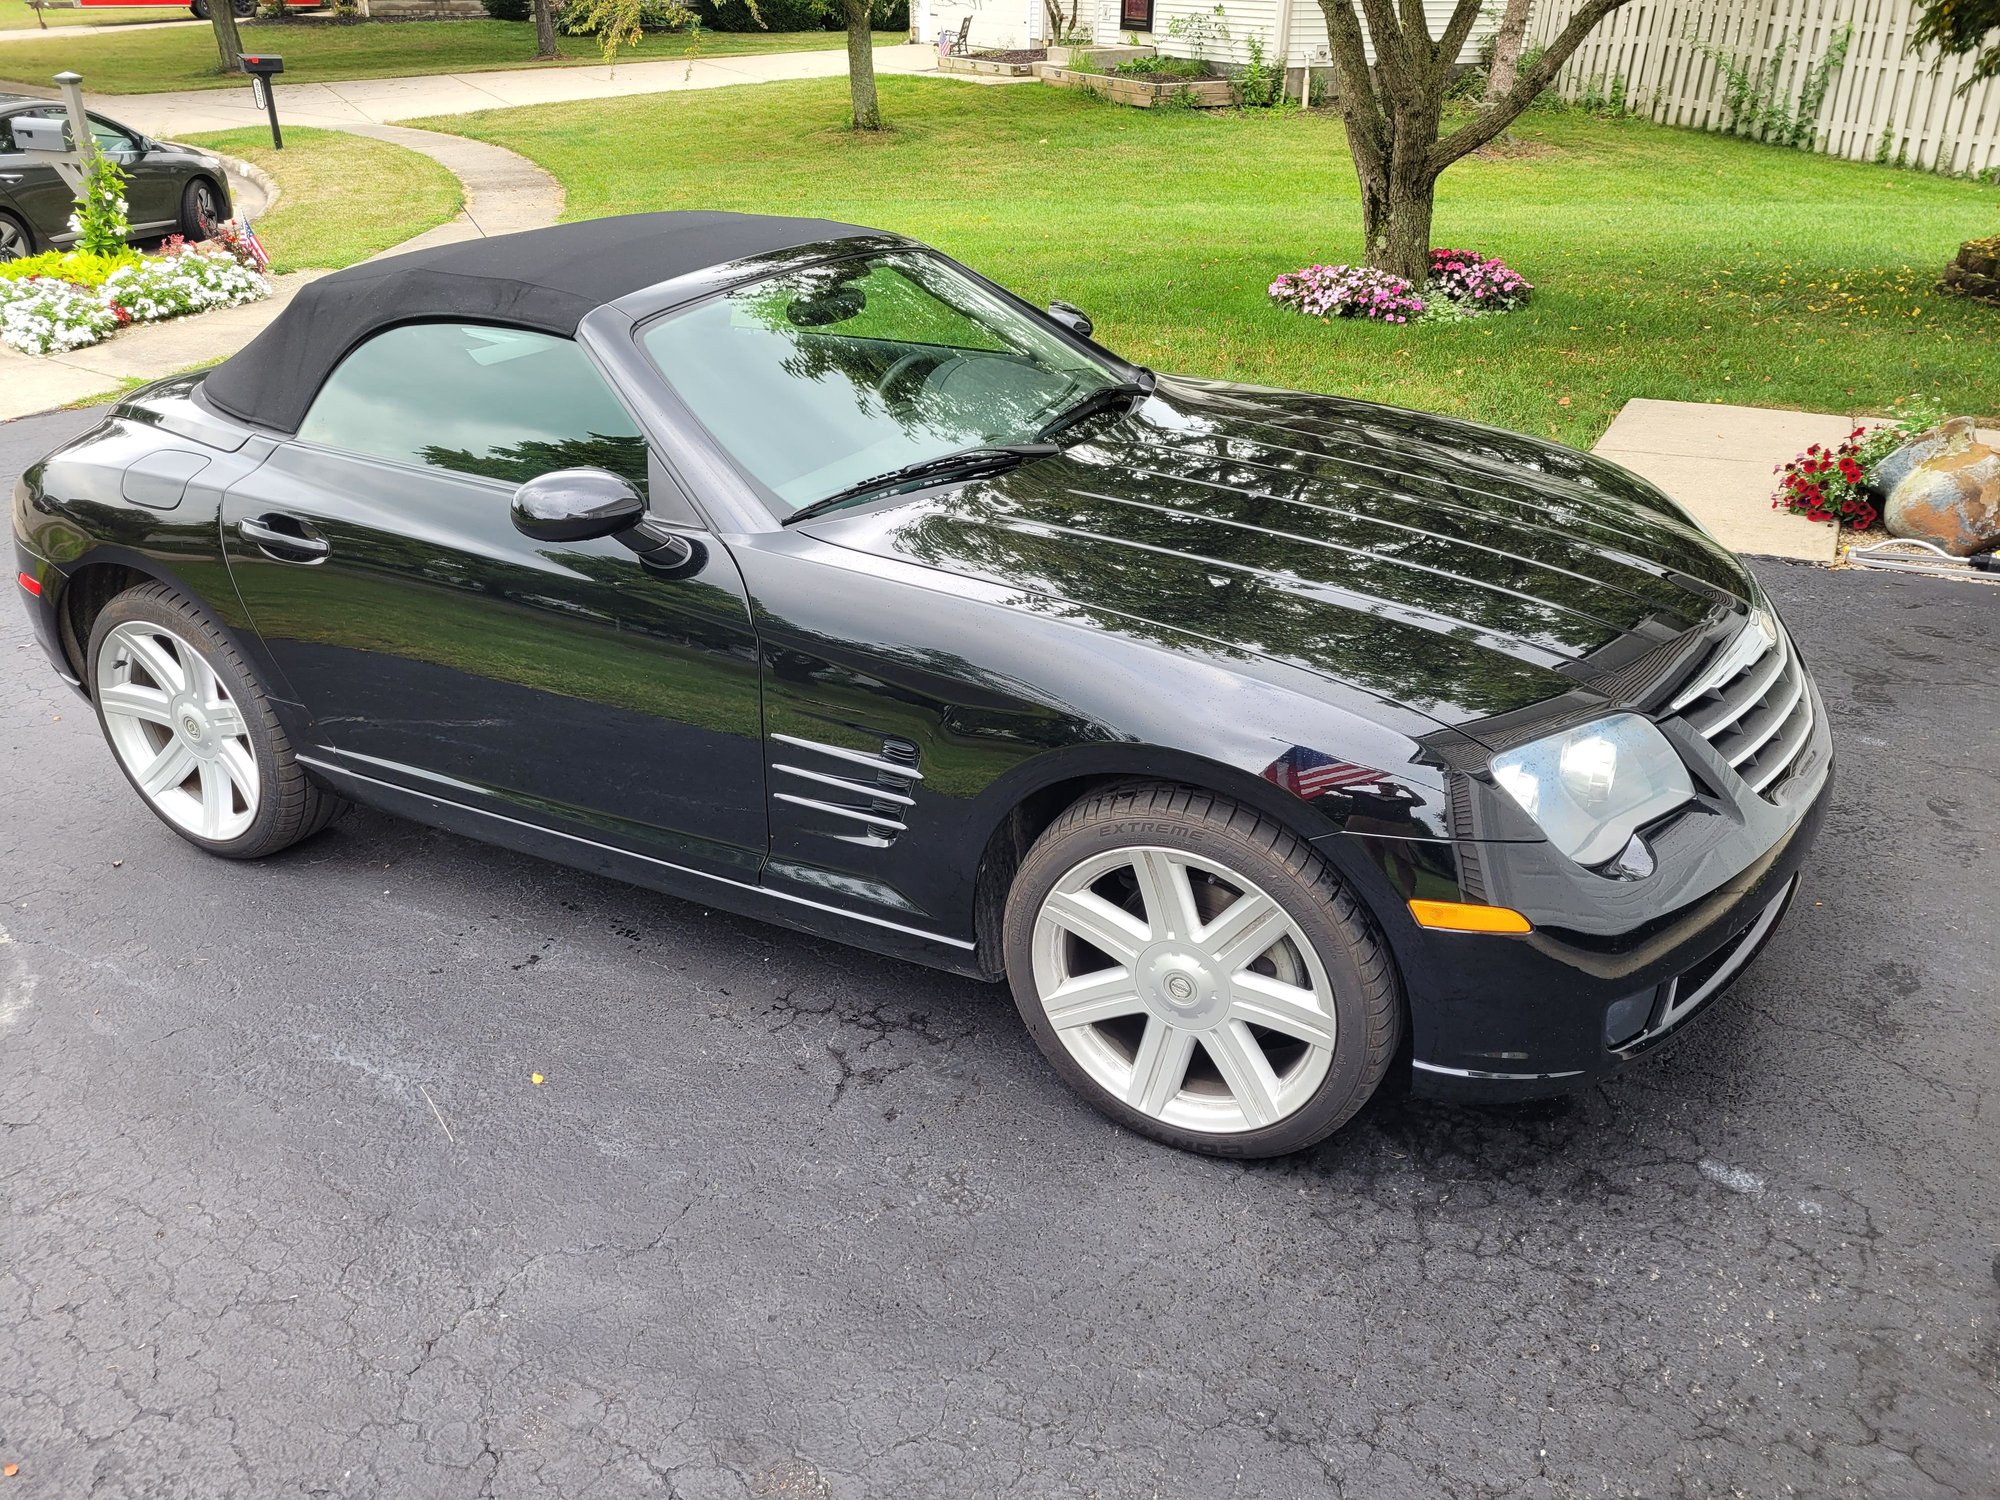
(201, 209)
(244, 9)
(172, 694)
(198, 9)
(1162, 1019)
(16, 239)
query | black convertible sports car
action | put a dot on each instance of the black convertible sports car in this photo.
(1264, 742)
(169, 189)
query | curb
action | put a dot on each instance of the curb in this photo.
(250, 171)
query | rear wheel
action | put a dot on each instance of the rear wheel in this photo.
(194, 733)
(1199, 973)
(15, 241)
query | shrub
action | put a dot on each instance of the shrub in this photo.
(100, 223)
(508, 10)
(1478, 282)
(78, 267)
(1348, 292)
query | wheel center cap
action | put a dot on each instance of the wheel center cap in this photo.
(1176, 984)
(192, 726)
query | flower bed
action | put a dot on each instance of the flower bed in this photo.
(1462, 284)
(1838, 483)
(56, 302)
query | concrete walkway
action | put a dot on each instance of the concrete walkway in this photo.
(503, 193)
(1720, 463)
(377, 101)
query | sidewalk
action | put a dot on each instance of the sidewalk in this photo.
(377, 101)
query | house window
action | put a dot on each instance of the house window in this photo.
(1135, 15)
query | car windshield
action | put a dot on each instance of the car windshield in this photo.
(821, 378)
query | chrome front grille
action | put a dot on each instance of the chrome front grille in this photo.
(1752, 704)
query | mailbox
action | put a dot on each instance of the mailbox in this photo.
(48, 133)
(262, 68)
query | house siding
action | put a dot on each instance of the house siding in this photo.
(1245, 18)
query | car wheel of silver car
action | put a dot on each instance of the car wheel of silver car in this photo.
(193, 732)
(1199, 973)
(15, 241)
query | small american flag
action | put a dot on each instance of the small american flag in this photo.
(1306, 773)
(255, 246)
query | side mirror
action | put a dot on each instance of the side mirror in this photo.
(576, 505)
(1072, 317)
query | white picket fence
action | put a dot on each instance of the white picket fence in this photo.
(1886, 102)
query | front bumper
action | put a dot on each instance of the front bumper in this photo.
(1612, 969)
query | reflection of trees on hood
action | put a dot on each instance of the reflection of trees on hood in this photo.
(1166, 596)
(623, 456)
(1510, 492)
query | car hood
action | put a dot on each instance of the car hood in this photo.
(1461, 571)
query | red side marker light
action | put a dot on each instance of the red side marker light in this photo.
(31, 583)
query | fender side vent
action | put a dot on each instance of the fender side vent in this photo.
(849, 795)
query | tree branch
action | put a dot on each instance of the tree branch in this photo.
(1497, 116)
(1391, 53)
(1360, 107)
(1456, 31)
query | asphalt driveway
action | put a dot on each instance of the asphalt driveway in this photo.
(285, 1215)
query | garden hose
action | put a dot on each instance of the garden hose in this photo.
(1908, 555)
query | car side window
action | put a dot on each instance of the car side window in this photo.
(7, 133)
(475, 399)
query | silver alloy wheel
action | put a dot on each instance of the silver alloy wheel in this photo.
(1184, 989)
(13, 243)
(178, 731)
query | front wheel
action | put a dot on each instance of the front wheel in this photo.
(194, 733)
(1200, 974)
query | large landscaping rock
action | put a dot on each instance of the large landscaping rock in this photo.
(1950, 495)
(1976, 271)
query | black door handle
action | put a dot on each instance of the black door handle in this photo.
(271, 536)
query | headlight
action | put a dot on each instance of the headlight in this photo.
(1591, 788)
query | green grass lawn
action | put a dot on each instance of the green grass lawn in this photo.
(152, 62)
(1670, 263)
(342, 197)
(18, 15)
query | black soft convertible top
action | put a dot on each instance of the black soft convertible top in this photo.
(544, 279)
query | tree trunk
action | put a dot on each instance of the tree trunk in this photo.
(861, 65)
(1396, 214)
(545, 31)
(1507, 49)
(222, 16)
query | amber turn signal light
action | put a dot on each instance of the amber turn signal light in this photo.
(1463, 916)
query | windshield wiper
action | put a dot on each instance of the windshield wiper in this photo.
(1104, 398)
(965, 463)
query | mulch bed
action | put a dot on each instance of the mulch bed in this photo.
(1018, 55)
